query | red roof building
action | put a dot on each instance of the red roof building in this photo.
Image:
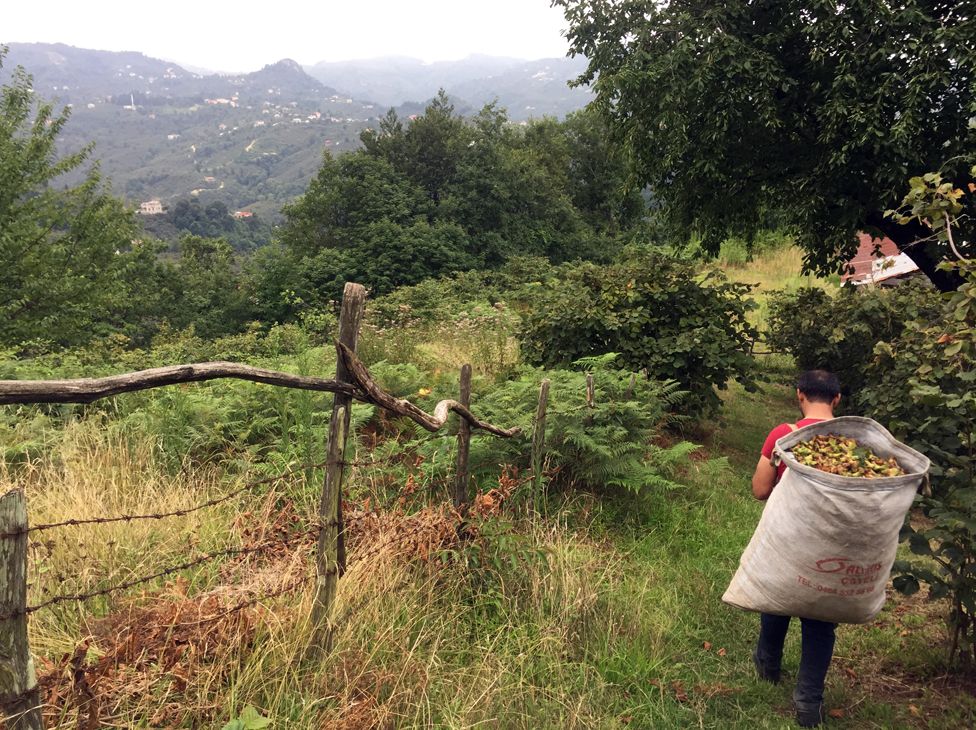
(877, 261)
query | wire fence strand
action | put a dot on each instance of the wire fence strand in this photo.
(206, 558)
(164, 515)
(248, 602)
(75, 522)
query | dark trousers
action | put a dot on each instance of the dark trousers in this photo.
(817, 649)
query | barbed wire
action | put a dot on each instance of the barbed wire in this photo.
(380, 461)
(206, 558)
(248, 602)
(75, 522)
(163, 515)
(226, 553)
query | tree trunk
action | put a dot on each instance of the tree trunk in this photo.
(925, 255)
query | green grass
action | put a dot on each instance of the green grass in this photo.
(619, 624)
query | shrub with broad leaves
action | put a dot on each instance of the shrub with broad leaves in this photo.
(660, 314)
(838, 332)
(923, 387)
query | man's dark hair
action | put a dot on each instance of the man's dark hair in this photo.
(819, 386)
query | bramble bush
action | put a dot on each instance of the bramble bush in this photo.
(658, 312)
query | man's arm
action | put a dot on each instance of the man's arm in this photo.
(764, 479)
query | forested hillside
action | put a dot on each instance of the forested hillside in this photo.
(253, 141)
(250, 141)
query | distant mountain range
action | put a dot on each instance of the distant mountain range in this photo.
(526, 88)
(253, 141)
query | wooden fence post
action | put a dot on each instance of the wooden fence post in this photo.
(629, 393)
(19, 697)
(331, 556)
(539, 442)
(463, 477)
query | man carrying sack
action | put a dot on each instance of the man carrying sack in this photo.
(818, 393)
(825, 544)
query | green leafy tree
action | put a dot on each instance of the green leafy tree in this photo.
(509, 201)
(427, 150)
(441, 194)
(432, 146)
(392, 256)
(212, 297)
(271, 277)
(212, 221)
(152, 293)
(816, 110)
(348, 194)
(62, 247)
(387, 140)
(386, 256)
(600, 178)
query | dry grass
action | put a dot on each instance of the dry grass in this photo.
(777, 269)
(405, 659)
(187, 653)
(774, 270)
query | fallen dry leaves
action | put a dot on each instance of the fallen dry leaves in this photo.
(678, 687)
(715, 689)
(424, 534)
(140, 650)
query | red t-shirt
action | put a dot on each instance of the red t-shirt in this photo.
(779, 432)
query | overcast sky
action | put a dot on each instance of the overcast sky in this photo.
(243, 36)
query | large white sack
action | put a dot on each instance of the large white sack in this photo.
(826, 543)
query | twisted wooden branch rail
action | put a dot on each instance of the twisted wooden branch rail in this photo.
(88, 390)
(365, 389)
(377, 396)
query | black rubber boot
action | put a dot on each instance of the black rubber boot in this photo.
(765, 672)
(809, 714)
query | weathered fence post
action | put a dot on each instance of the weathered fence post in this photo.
(331, 557)
(462, 478)
(629, 393)
(539, 442)
(590, 391)
(19, 697)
